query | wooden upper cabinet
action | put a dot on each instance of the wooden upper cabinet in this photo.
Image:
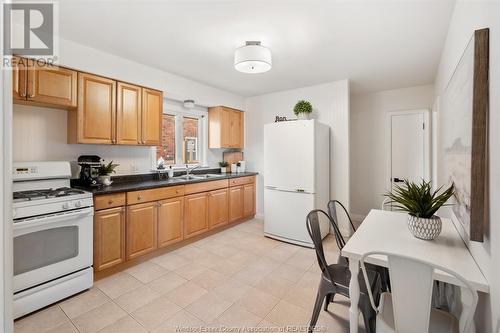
(235, 203)
(128, 114)
(248, 200)
(195, 214)
(45, 85)
(218, 207)
(170, 221)
(236, 129)
(141, 229)
(52, 86)
(19, 78)
(225, 127)
(109, 238)
(95, 119)
(152, 109)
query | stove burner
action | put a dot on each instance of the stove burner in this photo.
(45, 193)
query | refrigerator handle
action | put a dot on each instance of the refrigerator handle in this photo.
(271, 187)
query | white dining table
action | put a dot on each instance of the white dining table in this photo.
(388, 231)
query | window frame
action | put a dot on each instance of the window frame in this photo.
(175, 108)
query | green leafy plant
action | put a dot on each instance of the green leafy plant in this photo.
(302, 107)
(223, 164)
(107, 169)
(418, 199)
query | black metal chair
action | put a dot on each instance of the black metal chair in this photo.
(335, 278)
(332, 211)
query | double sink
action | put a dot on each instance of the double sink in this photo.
(199, 176)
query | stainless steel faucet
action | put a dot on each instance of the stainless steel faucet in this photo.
(188, 169)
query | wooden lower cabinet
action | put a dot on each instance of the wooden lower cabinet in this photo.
(218, 202)
(109, 238)
(248, 200)
(170, 221)
(126, 227)
(195, 214)
(235, 203)
(141, 229)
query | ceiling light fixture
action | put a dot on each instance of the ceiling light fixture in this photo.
(252, 58)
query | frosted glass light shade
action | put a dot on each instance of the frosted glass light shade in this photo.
(252, 58)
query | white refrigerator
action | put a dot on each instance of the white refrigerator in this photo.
(296, 178)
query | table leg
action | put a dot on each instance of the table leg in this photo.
(354, 295)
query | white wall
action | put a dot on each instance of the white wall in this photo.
(468, 16)
(176, 87)
(368, 141)
(330, 106)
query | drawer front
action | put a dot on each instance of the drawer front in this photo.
(154, 194)
(206, 186)
(241, 181)
(109, 201)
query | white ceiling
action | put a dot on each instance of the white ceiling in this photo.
(379, 45)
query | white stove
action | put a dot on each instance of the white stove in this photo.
(53, 235)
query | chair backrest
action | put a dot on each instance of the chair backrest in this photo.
(332, 211)
(411, 286)
(314, 230)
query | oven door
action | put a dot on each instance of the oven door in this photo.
(51, 246)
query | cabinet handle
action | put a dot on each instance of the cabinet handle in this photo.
(22, 94)
(110, 202)
(139, 197)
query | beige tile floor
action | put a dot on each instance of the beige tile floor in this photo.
(236, 278)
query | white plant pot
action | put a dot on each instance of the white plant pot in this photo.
(223, 169)
(105, 180)
(303, 116)
(427, 229)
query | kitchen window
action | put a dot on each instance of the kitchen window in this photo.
(184, 136)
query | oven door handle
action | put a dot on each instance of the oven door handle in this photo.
(44, 220)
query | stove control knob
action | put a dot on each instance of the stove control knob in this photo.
(78, 204)
(67, 205)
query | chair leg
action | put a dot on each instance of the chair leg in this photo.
(329, 299)
(320, 296)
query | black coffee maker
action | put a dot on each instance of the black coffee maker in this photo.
(89, 169)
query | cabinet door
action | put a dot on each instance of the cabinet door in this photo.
(152, 109)
(248, 200)
(170, 221)
(109, 238)
(96, 109)
(235, 203)
(195, 214)
(19, 78)
(141, 229)
(52, 85)
(235, 129)
(218, 208)
(128, 114)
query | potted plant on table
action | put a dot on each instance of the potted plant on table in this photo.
(421, 203)
(302, 109)
(223, 166)
(105, 171)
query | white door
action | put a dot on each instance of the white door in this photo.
(409, 146)
(289, 155)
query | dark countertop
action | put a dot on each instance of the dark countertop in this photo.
(148, 183)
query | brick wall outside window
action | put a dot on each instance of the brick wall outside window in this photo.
(167, 146)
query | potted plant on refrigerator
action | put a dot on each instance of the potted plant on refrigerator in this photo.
(421, 203)
(302, 109)
(223, 166)
(105, 171)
